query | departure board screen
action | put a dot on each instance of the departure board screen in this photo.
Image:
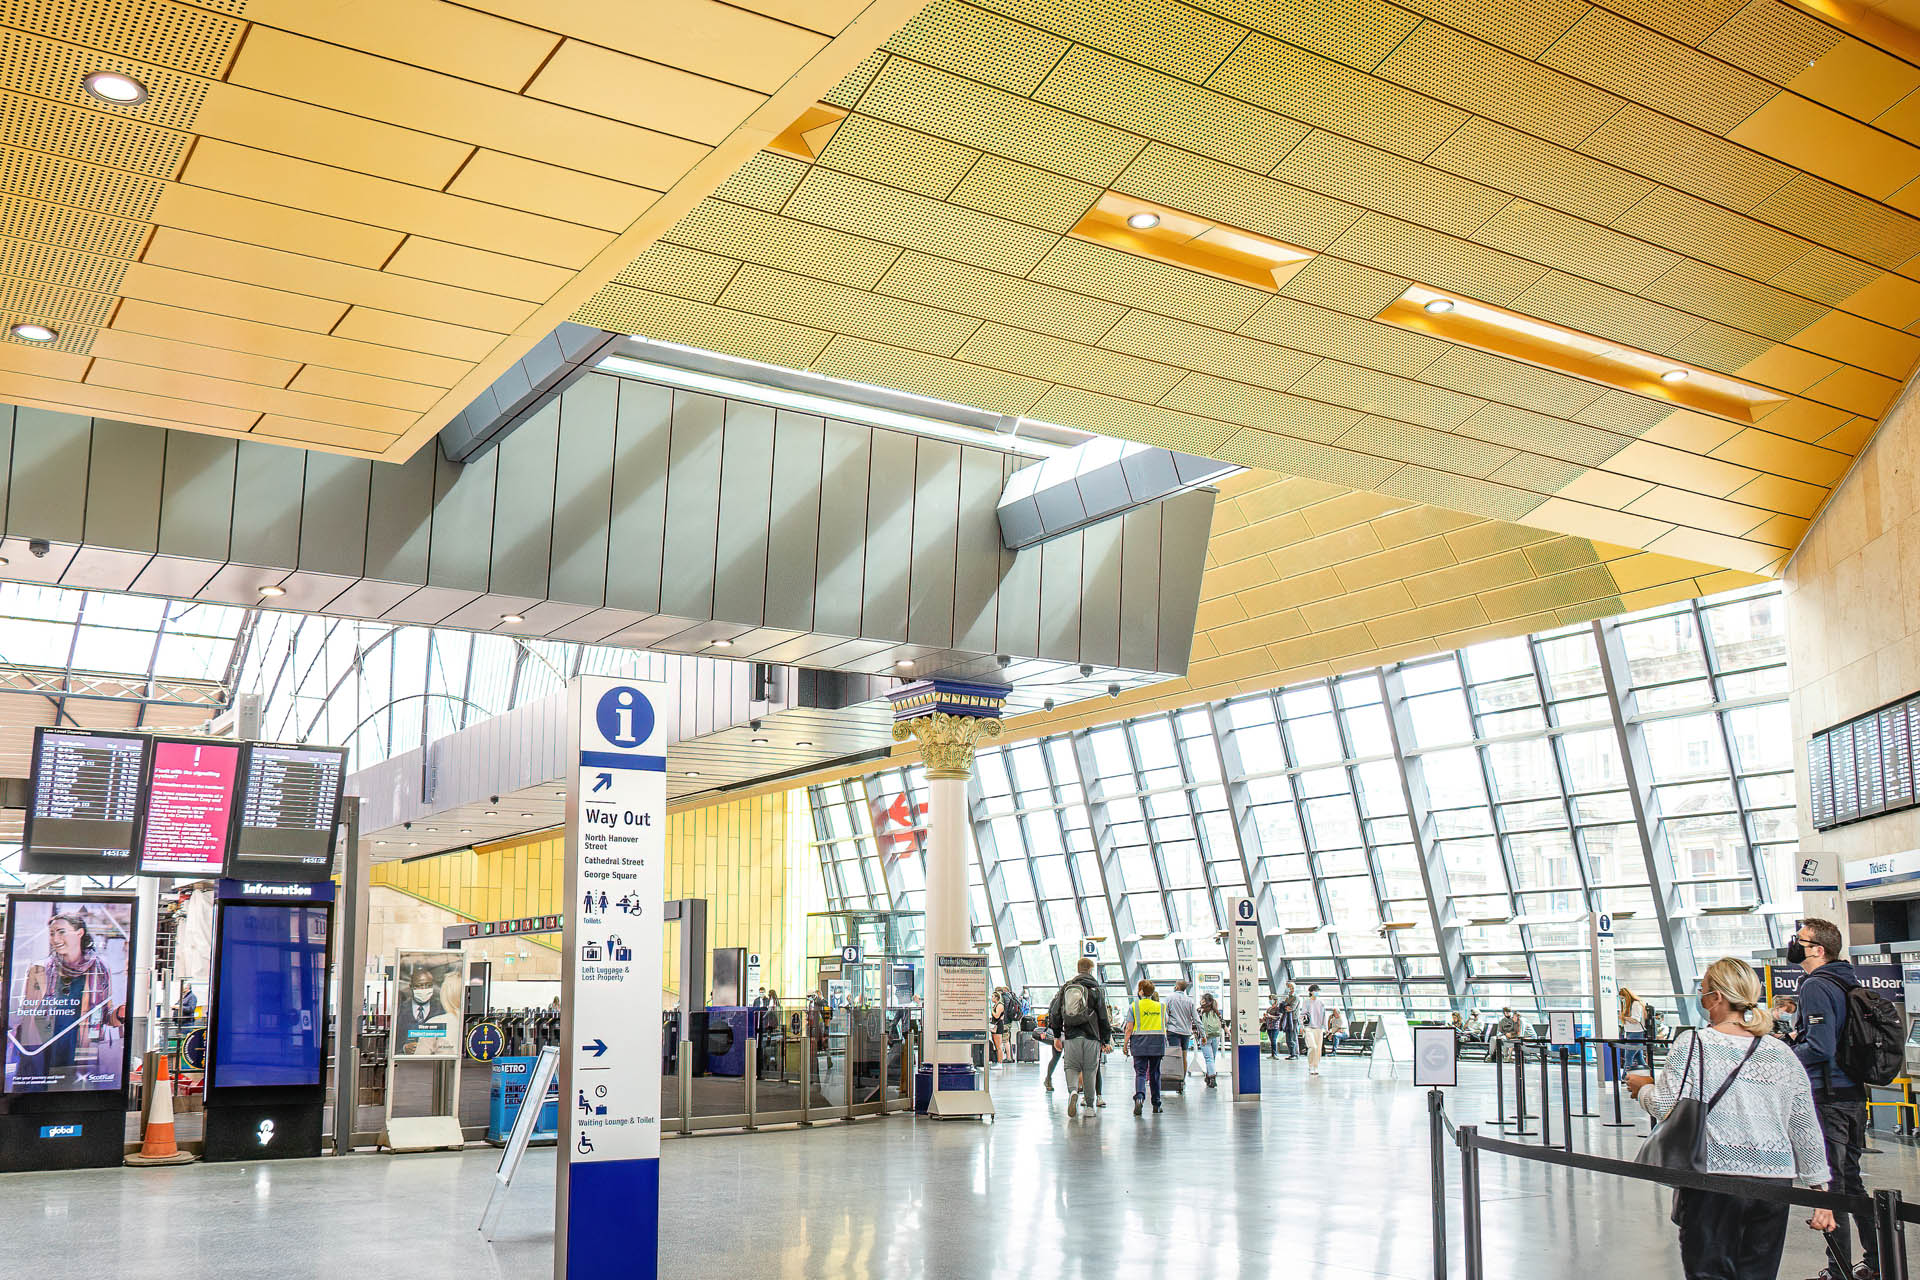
(289, 804)
(1820, 781)
(1846, 778)
(83, 816)
(1866, 755)
(1896, 761)
(190, 789)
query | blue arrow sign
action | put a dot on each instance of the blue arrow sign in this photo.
(602, 781)
(598, 1048)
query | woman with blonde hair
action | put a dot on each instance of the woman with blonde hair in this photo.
(1633, 1026)
(1147, 1043)
(1760, 1127)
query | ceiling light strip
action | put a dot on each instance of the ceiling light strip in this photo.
(1137, 226)
(1550, 346)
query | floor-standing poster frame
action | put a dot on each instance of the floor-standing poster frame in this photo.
(436, 1044)
(1244, 1022)
(607, 1183)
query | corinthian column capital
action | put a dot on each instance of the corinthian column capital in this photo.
(947, 741)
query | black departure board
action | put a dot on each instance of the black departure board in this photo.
(1865, 766)
(83, 814)
(1846, 778)
(1866, 755)
(1820, 781)
(288, 806)
(1896, 756)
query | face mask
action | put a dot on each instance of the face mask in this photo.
(1796, 953)
(422, 995)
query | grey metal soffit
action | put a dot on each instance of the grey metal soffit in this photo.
(1096, 481)
(624, 513)
(556, 362)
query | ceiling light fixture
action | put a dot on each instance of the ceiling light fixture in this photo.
(904, 664)
(271, 592)
(693, 773)
(720, 644)
(493, 813)
(511, 618)
(1144, 221)
(1546, 345)
(1190, 241)
(30, 332)
(526, 815)
(803, 743)
(111, 86)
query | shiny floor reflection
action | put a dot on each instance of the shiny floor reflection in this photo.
(1324, 1178)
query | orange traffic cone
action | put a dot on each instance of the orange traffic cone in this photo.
(158, 1145)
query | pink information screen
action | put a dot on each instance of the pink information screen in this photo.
(189, 808)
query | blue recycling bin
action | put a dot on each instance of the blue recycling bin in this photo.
(510, 1076)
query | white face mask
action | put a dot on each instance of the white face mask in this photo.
(423, 995)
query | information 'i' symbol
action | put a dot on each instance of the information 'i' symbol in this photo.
(624, 716)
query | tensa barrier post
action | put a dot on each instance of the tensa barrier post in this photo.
(1890, 1234)
(1546, 1102)
(1470, 1201)
(1436, 1143)
(1566, 1101)
(1520, 1129)
(1499, 1088)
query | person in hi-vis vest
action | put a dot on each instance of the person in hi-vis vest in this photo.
(1147, 1041)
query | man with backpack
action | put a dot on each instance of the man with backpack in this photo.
(1843, 1045)
(1083, 1031)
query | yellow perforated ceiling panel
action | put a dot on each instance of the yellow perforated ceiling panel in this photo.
(1674, 179)
(334, 224)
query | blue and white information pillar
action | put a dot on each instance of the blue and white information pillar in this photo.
(1244, 954)
(607, 1188)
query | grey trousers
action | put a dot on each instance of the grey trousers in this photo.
(1082, 1059)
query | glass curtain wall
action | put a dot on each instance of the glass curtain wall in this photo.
(1420, 837)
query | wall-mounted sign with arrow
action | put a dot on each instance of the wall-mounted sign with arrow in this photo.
(601, 781)
(597, 1047)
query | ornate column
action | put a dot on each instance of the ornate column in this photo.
(949, 719)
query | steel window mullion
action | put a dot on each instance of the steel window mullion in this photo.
(1318, 876)
(1246, 835)
(1637, 766)
(1106, 855)
(1201, 841)
(1127, 730)
(1396, 963)
(1015, 970)
(1434, 876)
(1754, 869)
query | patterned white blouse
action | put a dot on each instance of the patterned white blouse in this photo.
(1765, 1125)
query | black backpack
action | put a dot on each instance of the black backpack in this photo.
(1872, 1041)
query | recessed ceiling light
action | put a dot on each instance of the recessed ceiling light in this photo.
(4, 562)
(1674, 375)
(512, 617)
(693, 773)
(1143, 221)
(1440, 306)
(493, 813)
(34, 332)
(526, 815)
(466, 831)
(758, 742)
(270, 591)
(721, 644)
(904, 663)
(803, 743)
(433, 830)
(379, 841)
(111, 86)
(413, 844)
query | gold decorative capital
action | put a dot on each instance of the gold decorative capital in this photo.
(947, 741)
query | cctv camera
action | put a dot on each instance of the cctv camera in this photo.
(753, 724)
(1086, 668)
(1047, 705)
(40, 547)
(1113, 691)
(406, 826)
(493, 799)
(1004, 659)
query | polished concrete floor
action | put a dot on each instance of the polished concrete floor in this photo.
(1325, 1178)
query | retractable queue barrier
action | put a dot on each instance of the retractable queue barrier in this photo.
(1887, 1210)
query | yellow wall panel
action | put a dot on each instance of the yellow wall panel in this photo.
(476, 269)
(553, 191)
(353, 439)
(1821, 140)
(723, 41)
(451, 38)
(248, 395)
(113, 402)
(366, 324)
(288, 344)
(229, 298)
(360, 386)
(166, 353)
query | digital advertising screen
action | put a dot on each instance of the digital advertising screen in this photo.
(67, 960)
(289, 805)
(269, 1012)
(83, 807)
(190, 791)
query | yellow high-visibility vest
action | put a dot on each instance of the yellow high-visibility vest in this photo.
(1148, 1016)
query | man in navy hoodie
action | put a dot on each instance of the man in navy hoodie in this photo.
(1841, 1101)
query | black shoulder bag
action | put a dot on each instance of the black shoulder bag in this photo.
(1681, 1140)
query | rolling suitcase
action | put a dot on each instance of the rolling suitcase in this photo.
(1173, 1070)
(1029, 1047)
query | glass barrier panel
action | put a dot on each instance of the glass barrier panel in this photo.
(779, 1068)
